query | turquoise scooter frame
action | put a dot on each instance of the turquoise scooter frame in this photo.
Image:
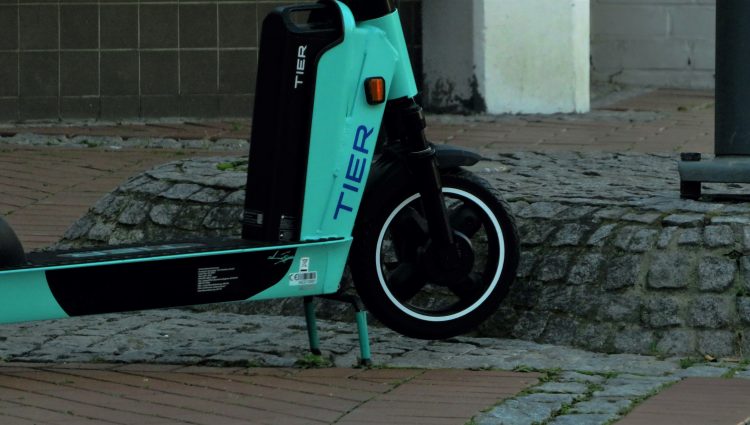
(302, 257)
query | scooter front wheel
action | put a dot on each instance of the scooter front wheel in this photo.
(401, 281)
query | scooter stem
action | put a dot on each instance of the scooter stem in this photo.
(405, 124)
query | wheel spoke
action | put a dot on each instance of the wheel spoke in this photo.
(468, 289)
(465, 219)
(406, 281)
(391, 266)
(408, 233)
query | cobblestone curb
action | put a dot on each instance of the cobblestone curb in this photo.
(613, 260)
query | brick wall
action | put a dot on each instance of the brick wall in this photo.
(112, 59)
(667, 43)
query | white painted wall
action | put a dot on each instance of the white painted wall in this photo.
(507, 56)
(663, 43)
(536, 56)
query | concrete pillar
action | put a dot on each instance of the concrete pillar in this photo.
(506, 56)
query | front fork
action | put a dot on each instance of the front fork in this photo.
(405, 125)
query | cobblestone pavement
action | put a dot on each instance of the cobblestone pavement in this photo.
(575, 387)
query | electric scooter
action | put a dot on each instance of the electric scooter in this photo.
(339, 168)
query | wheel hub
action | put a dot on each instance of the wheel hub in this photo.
(446, 268)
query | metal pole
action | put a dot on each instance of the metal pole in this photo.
(732, 138)
(732, 77)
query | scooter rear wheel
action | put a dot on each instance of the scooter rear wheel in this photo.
(402, 283)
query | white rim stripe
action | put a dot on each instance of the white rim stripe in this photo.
(490, 288)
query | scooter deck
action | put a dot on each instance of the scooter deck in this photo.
(127, 278)
(47, 259)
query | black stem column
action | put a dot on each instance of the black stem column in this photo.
(732, 77)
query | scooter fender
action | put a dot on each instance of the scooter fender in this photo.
(391, 169)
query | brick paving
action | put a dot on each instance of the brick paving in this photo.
(697, 401)
(159, 395)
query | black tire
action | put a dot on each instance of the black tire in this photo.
(434, 311)
(11, 250)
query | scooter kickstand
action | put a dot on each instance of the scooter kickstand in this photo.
(364, 339)
(312, 326)
(365, 359)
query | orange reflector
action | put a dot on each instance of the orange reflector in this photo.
(375, 90)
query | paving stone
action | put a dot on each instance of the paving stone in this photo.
(661, 312)
(690, 237)
(191, 217)
(716, 274)
(562, 388)
(665, 237)
(533, 234)
(622, 272)
(577, 213)
(527, 264)
(708, 312)
(636, 341)
(743, 309)
(703, 371)
(745, 273)
(586, 270)
(515, 412)
(593, 336)
(181, 191)
(628, 388)
(624, 236)
(683, 220)
(718, 235)
(164, 214)
(610, 213)
(583, 419)
(531, 324)
(560, 331)
(547, 398)
(733, 219)
(554, 267)
(647, 218)
(542, 210)
(619, 308)
(164, 144)
(120, 236)
(716, 343)
(236, 198)
(668, 270)
(599, 237)
(643, 240)
(602, 405)
(570, 234)
(223, 217)
(101, 232)
(581, 377)
(110, 206)
(134, 213)
(208, 195)
(80, 228)
(153, 188)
